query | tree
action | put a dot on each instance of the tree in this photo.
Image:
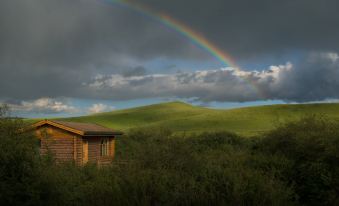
(19, 163)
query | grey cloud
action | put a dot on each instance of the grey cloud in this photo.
(203, 85)
(314, 79)
(50, 47)
(136, 71)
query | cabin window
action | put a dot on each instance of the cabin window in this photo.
(104, 147)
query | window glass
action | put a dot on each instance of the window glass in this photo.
(104, 147)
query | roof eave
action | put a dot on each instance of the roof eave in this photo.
(102, 134)
(79, 132)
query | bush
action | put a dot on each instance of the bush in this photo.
(205, 169)
(312, 145)
(19, 163)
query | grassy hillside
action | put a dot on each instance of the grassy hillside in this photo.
(181, 117)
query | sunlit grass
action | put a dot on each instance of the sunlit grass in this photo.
(185, 118)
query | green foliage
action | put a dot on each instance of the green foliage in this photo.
(19, 168)
(312, 145)
(293, 164)
(204, 169)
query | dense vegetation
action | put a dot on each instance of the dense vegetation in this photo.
(294, 164)
(181, 117)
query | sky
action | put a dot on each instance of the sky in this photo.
(79, 57)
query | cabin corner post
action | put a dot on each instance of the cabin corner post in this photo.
(85, 151)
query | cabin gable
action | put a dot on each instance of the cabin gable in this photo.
(62, 144)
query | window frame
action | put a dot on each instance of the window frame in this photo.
(104, 147)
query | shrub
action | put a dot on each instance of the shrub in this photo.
(312, 145)
(205, 169)
(19, 163)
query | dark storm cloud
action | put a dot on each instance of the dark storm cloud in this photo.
(48, 48)
(135, 71)
(250, 28)
(315, 79)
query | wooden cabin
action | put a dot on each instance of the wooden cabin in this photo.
(78, 142)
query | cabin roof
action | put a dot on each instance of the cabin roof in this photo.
(83, 129)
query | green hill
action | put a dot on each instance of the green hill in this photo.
(181, 117)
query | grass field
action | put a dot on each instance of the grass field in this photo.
(181, 117)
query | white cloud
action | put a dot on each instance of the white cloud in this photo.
(97, 108)
(43, 105)
(313, 79)
(333, 56)
(225, 84)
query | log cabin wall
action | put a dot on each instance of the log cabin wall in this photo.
(112, 147)
(59, 142)
(93, 149)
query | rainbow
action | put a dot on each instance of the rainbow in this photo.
(193, 36)
(179, 27)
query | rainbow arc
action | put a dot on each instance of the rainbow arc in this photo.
(187, 32)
